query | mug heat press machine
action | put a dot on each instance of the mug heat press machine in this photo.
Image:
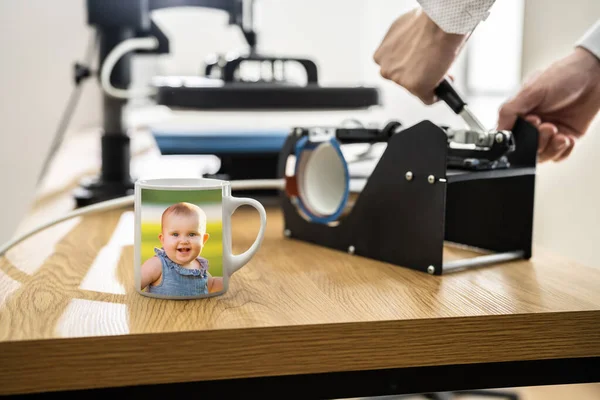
(471, 187)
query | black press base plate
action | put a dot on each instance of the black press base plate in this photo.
(258, 96)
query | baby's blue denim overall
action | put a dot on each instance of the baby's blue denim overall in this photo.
(179, 281)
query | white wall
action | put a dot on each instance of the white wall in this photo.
(40, 40)
(567, 218)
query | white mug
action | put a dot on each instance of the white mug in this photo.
(183, 237)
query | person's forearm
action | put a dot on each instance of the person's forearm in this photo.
(416, 53)
(457, 16)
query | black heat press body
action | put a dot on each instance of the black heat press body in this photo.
(431, 186)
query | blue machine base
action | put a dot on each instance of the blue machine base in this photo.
(220, 142)
(244, 154)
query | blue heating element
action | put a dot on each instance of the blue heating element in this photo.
(220, 141)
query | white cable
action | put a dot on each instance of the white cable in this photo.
(258, 184)
(102, 206)
(132, 44)
(128, 201)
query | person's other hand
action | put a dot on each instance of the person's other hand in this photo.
(416, 54)
(561, 102)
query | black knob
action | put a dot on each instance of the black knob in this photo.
(446, 92)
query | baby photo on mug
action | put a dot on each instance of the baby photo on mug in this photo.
(181, 242)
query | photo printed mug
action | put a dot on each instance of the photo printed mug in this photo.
(183, 237)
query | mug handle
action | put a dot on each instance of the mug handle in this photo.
(235, 262)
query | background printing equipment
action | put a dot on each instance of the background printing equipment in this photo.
(432, 185)
(244, 154)
(249, 151)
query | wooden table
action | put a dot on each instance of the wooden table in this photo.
(300, 318)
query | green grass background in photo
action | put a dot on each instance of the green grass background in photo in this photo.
(154, 202)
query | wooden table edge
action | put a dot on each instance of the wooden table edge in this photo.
(138, 359)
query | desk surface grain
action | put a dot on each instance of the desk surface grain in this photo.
(70, 317)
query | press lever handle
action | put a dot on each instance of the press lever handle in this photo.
(446, 92)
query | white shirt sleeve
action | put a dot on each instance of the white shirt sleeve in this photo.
(457, 16)
(591, 40)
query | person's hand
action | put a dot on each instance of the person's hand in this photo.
(416, 54)
(561, 102)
